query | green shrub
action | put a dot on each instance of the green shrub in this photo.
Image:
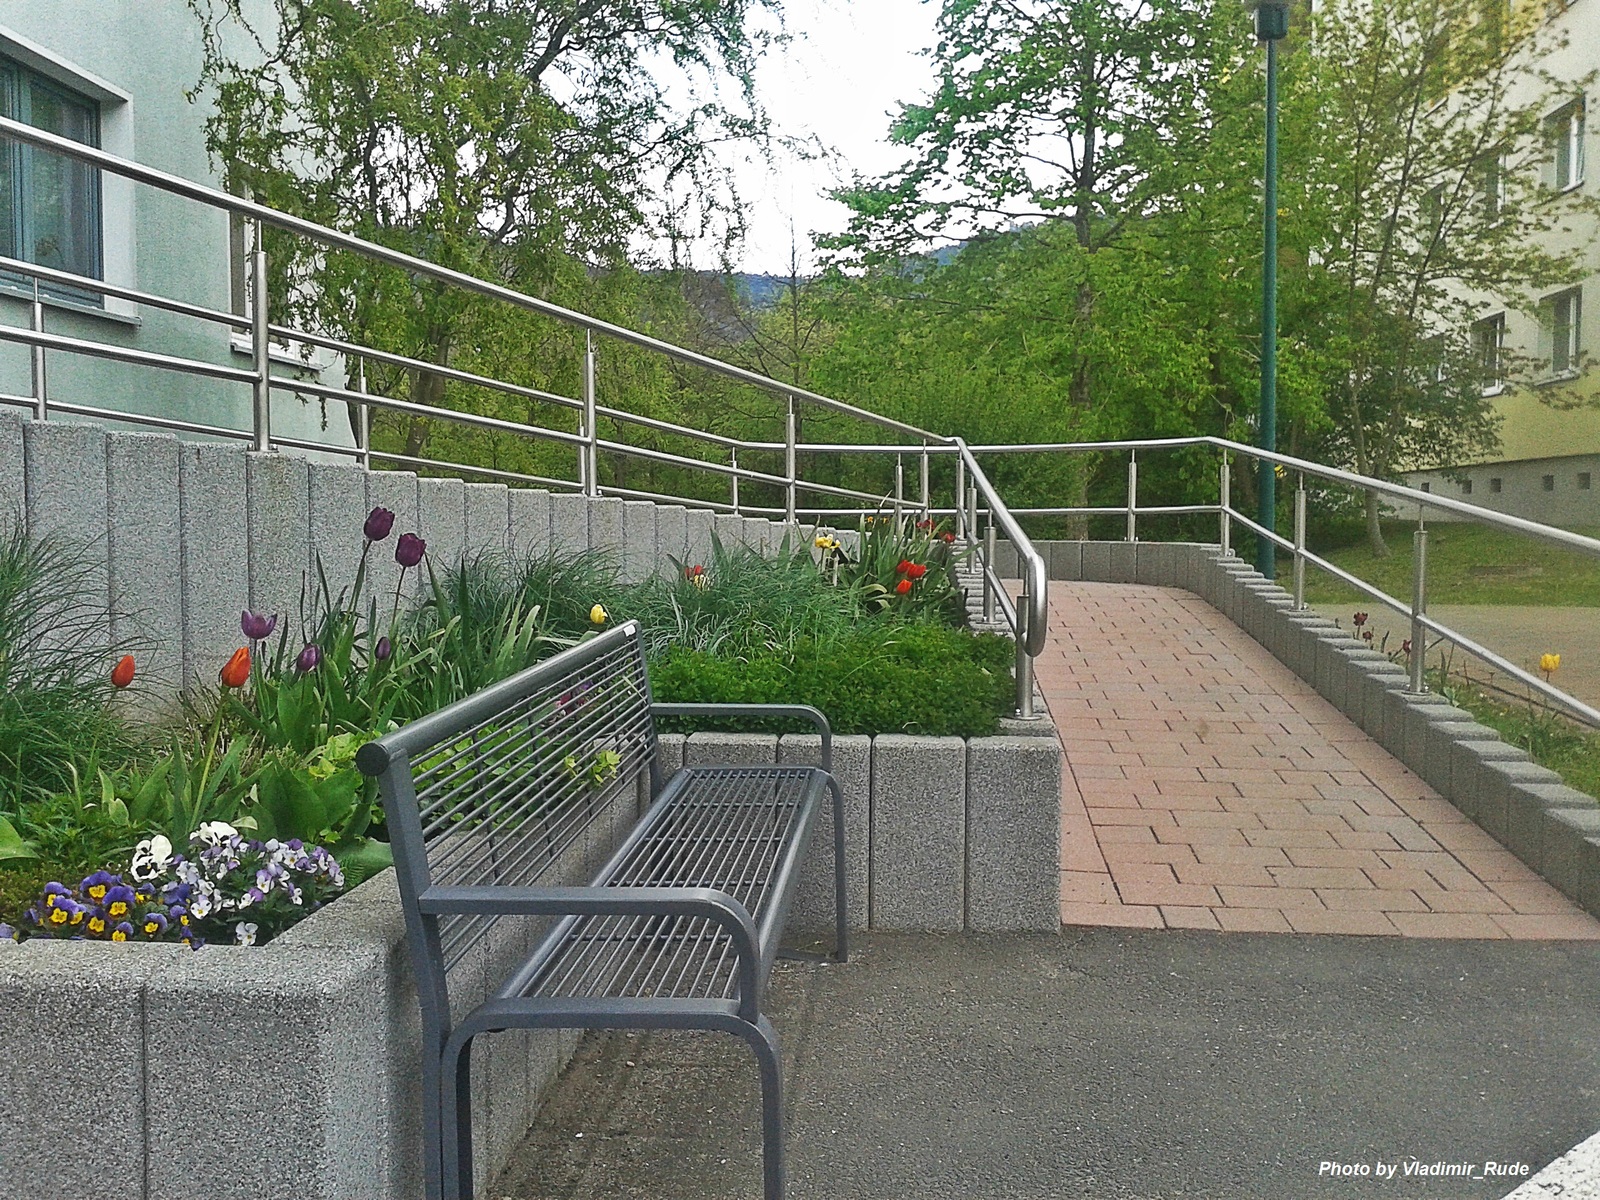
(923, 679)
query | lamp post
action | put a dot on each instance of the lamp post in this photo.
(1272, 24)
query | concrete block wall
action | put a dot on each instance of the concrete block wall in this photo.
(182, 536)
(941, 833)
(1552, 828)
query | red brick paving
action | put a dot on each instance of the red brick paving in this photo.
(1208, 787)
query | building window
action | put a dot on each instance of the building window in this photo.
(1491, 187)
(1466, 487)
(1488, 336)
(1585, 481)
(1548, 482)
(1495, 484)
(1563, 131)
(1426, 486)
(49, 205)
(1561, 320)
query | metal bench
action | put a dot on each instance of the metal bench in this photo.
(678, 930)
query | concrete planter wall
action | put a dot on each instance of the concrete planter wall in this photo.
(184, 535)
(302, 1057)
(1553, 828)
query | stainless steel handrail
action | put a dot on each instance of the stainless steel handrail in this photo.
(213, 198)
(1028, 623)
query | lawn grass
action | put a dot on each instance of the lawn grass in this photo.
(1467, 564)
(1565, 747)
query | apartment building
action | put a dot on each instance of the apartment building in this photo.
(1549, 457)
(118, 74)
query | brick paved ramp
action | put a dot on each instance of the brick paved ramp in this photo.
(1210, 787)
(1103, 1063)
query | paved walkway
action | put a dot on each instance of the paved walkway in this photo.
(1210, 788)
(1103, 1064)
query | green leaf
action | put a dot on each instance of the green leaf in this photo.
(12, 846)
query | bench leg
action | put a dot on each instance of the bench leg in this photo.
(455, 1117)
(841, 889)
(763, 1040)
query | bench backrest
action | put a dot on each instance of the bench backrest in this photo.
(496, 788)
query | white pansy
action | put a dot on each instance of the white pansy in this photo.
(214, 833)
(151, 857)
(245, 933)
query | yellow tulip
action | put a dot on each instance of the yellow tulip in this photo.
(1549, 663)
(598, 615)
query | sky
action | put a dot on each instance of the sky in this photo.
(846, 72)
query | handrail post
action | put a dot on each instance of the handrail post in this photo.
(1300, 544)
(972, 512)
(1024, 661)
(733, 461)
(961, 496)
(36, 323)
(988, 562)
(790, 458)
(1133, 496)
(589, 456)
(259, 347)
(927, 498)
(363, 418)
(1225, 504)
(899, 488)
(1419, 606)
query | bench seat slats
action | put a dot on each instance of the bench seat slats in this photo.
(728, 828)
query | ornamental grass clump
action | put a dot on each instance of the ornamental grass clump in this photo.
(56, 670)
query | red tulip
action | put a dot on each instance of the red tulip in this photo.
(903, 586)
(948, 537)
(902, 567)
(237, 670)
(122, 673)
(916, 571)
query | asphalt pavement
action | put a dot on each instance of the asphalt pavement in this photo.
(1113, 1064)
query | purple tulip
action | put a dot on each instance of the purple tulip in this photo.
(383, 650)
(257, 627)
(309, 658)
(409, 550)
(379, 522)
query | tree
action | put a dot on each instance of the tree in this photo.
(1414, 192)
(531, 142)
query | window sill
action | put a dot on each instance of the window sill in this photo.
(1498, 389)
(10, 291)
(241, 344)
(1560, 377)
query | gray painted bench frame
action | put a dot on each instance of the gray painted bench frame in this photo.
(478, 775)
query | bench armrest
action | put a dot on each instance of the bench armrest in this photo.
(708, 903)
(802, 711)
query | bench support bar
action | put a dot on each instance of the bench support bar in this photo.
(497, 1016)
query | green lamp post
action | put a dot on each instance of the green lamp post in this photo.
(1272, 25)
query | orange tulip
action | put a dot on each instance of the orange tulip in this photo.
(237, 669)
(903, 586)
(122, 673)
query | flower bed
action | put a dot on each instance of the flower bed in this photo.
(267, 754)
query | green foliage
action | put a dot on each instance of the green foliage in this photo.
(56, 653)
(881, 678)
(742, 604)
(480, 624)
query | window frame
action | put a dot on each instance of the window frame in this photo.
(1551, 329)
(21, 80)
(1495, 382)
(1566, 129)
